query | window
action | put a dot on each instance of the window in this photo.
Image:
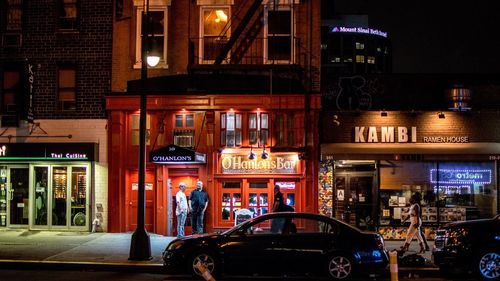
(258, 128)
(360, 58)
(68, 14)
(371, 60)
(184, 130)
(158, 32)
(230, 129)
(135, 129)
(279, 43)
(287, 128)
(11, 21)
(231, 199)
(360, 46)
(66, 88)
(258, 199)
(10, 92)
(215, 32)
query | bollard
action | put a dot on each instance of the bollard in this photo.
(204, 272)
(393, 265)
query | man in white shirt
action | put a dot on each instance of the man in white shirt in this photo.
(182, 209)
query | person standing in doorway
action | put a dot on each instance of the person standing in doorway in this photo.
(182, 209)
(277, 224)
(198, 202)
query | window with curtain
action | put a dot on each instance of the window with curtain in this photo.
(68, 14)
(230, 129)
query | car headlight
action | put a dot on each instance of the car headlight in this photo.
(175, 245)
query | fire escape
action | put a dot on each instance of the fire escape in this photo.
(240, 46)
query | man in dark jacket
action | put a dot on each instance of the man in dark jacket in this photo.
(198, 202)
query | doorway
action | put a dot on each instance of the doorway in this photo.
(355, 198)
(133, 202)
(18, 196)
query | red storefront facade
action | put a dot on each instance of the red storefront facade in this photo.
(234, 77)
(231, 179)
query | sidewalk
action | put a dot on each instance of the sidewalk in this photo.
(76, 248)
(110, 250)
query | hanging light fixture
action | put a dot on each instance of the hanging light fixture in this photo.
(264, 155)
(251, 155)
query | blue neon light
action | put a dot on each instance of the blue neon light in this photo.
(461, 176)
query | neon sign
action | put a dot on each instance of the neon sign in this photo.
(364, 30)
(457, 176)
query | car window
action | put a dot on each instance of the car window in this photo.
(308, 225)
(264, 227)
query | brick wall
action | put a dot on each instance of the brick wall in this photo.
(89, 49)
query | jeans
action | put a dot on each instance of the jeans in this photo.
(181, 220)
(197, 222)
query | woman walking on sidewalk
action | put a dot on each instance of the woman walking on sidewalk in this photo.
(415, 224)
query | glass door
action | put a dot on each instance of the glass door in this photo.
(61, 199)
(18, 195)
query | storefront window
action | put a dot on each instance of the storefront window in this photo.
(78, 196)
(231, 199)
(59, 196)
(258, 199)
(450, 191)
(41, 200)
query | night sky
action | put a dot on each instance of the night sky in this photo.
(435, 36)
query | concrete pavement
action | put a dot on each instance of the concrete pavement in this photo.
(111, 250)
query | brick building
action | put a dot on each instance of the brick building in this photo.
(234, 101)
(55, 69)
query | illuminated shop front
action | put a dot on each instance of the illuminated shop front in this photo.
(46, 186)
(243, 183)
(372, 165)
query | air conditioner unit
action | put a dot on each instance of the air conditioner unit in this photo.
(184, 141)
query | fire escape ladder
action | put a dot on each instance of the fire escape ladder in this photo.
(238, 31)
(248, 37)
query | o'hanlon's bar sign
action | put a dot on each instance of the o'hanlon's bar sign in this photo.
(277, 163)
(173, 154)
(49, 152)
(400, 134)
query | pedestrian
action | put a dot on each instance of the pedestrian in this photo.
(415, 224)
(198, 202)
(278, 206)
(418, 198)
(182, 209)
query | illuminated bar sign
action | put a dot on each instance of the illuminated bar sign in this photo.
(71, 151)
(461, 176)
(173, 154)
(277, 163)
(364, 30)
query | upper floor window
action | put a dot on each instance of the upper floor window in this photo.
(66, 81)
(10, 91)
(11, 23)
(288, 128)
(230, 127)
(279, 33)
(360, 58)
(158, 27)
(360, 46)
(214, 30)
(184, 130)
(258, 128)
(135, 132)
(68, 14)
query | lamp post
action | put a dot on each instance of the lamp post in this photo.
(140, 246)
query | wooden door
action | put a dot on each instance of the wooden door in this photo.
(150, 202)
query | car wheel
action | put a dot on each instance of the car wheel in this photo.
(488, 265)
(207, 260)
(340, 267)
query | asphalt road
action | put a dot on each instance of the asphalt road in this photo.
(70, 275)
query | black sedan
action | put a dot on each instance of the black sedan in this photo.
(288, 243)
(471, 245)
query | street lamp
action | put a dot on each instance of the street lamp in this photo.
(140, 245)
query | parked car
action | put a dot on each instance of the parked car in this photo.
(286, 243)
(471, 245)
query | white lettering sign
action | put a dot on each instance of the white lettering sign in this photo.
(280, 164)
(385, 134)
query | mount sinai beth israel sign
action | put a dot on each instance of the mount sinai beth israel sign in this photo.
(275, 164)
